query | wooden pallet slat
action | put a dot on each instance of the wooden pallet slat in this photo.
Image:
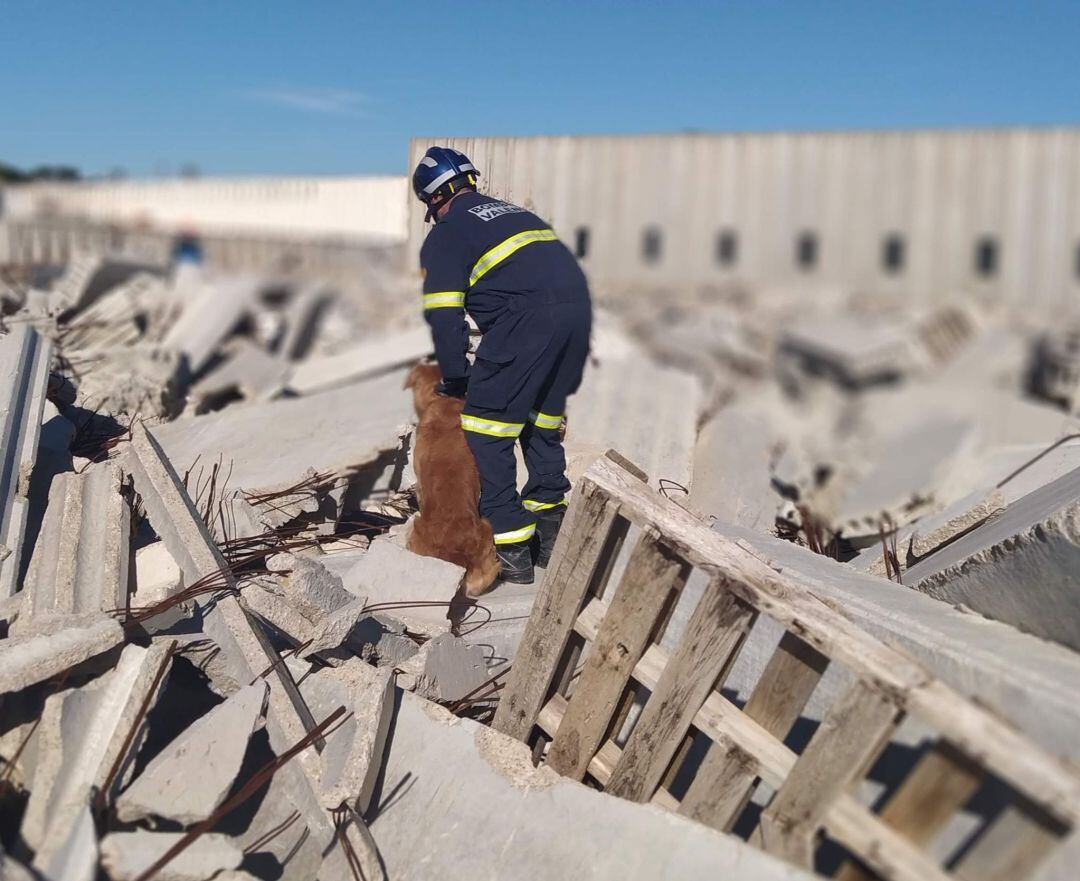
(941, 783)
(846, 743)
(713, 636)
(651, 575)
(1012, 847)
(723, 784)
(576, 558)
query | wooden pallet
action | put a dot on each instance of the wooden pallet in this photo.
(589, 647)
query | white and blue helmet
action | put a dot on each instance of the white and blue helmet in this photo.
(439, 173)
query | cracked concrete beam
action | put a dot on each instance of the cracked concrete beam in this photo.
(24, 377)
(37, 656)
(82, 555)
(81, 735)
(245, 649)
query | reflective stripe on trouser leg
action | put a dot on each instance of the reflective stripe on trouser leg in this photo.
(499, 499)
(515, 535)
(545, 460)
(535, 506)
(546, 420)
(492, 427)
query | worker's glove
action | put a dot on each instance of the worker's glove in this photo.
(452, 388)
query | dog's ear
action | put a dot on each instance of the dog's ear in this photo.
(410, 377)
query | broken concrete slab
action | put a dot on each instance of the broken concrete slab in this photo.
(1033, 683)
(309, 586)
(352, 757)
(496, 621)
(318, 633)
(366, 358)
(81, 557)
(451, 774)
(127, 855)
(907, 470)
(849, 351)
(82, 735)
(250, 373)
(1019, 567)
(57, 431)
(268, 447)
(210, 313)
(647, 412)
(156, 574)
(447, 668)
(245, 650)
(933, 532)
(38, 656)
(732, 462)
(190, 778)
(410, 588)
(24, 378)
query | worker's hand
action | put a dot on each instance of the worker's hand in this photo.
(452, 388)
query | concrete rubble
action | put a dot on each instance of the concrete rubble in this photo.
(205, 499)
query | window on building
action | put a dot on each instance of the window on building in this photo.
(986, 257)
(652, 245)
(806, 251)
(892, 254)
(727, 247)
(581, 242)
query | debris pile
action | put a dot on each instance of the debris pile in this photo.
(218, 658)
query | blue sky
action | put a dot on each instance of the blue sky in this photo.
(338, 88)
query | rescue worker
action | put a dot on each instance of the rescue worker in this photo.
(529, 297)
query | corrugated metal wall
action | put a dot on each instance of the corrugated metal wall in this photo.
(937, 193)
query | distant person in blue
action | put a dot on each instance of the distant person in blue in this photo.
(527, 294)
(187, 248)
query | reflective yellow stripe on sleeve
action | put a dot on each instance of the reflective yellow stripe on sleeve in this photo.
(545, 420)
(523, 534)
(530, 505)
(492, 258)
(491, 426)
(444, 300)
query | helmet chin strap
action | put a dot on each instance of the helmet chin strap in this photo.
(433, 206)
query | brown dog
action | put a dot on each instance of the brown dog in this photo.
(449, 526)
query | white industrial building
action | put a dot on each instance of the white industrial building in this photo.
(918, 213)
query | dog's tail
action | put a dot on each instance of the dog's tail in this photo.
(484, 567)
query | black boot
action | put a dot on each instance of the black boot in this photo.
(516, 559)
(548, 524)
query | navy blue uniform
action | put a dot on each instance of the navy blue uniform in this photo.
(530, 299)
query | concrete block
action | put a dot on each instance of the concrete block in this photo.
(352, 758)
(82, 554)
(40, 655)
(392, 578)
(190, 778)
(126, 855)
(452, 774)
(1033, 683)
(82, 733)
(1019, 567)
(445, 669)
(157, 574)
(24, 377)
(309, 586)
(269, 447)
(57, 431)
(366, 358)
